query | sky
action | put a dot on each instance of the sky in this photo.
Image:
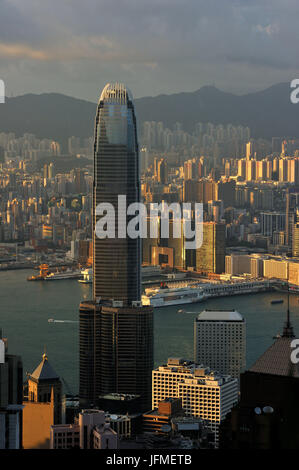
(153, 46)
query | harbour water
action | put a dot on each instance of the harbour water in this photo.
(25, 308)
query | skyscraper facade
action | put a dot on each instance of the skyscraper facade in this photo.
(11, 391)
(295, 240)
(220, 341)
(117, 262)
(210, 257)
(116, 332)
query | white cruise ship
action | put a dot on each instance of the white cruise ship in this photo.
(59, 276)
(164, 296)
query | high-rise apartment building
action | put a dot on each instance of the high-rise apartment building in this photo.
(205, 394)
(272, 221)
(162, 171)
(116, 332)
(220, 341)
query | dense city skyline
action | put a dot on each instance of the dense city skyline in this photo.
(149, 247)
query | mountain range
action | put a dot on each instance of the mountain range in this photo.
(56, 116)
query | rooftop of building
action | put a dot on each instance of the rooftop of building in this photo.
(116, 92)
(193, 371)
(276, 360)
(220, 315)
(119, 396)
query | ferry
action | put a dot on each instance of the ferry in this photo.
(87, 276)
(59, 276)
(165, 296)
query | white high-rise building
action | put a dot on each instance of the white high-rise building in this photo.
(220, 341)
(204, 393)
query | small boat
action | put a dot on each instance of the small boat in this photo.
(277, 301)
(181, 310)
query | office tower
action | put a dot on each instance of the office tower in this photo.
(117, 263)
(237, 264)
(220, 341)
(91, 432)
(126, 350)
(116, 332)
(89, 341)
(295, 240)
(210, 257)
(267, 415)
(205, 394)
(11, 394)
(251, 170)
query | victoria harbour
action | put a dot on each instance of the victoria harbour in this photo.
(26, 325)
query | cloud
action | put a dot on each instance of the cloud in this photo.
(158, 45)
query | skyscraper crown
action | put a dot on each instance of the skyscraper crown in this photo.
(117, 93)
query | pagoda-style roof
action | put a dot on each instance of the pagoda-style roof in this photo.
(44, 371)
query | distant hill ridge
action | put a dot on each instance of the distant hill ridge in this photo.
(52, 115)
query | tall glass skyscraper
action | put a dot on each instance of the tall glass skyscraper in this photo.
(116, 332)
(117, 261)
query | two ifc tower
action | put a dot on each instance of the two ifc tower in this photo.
(116, 332)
